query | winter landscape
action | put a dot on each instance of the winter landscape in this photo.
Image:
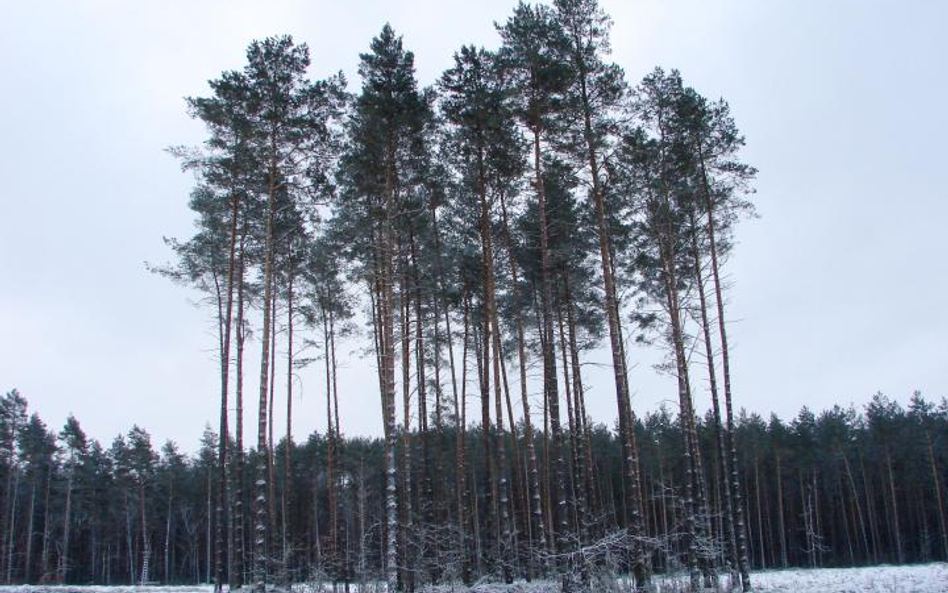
(922, 578)
(468, 317)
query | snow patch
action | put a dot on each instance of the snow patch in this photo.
(919, 578)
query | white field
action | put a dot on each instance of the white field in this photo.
(922, 578)
(918, 578)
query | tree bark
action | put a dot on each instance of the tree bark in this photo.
(261, 520)
(535, 525)
(726, 371)
(719, 437)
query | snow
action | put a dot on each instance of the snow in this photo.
(925, 578)
(916, 578)
(921, 578)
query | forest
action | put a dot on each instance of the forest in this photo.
(834, 489)
(479, 240)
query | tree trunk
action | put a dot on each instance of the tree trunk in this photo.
(271, 418)
(936, 484)
(405, 495)
(28, 560)
(47, 535)
(288, 443)
(261, 522)
(330, 444)
(237, 572)
(723, 462)
(896, 531)
(387, 341)
(535, 526)
(460, 411)
(146, 548)
(726, 371)
(586, 460)
(167, 563)
(557, 491)
(67, 523)
(11, 539)
(781, 529)
(222, 499)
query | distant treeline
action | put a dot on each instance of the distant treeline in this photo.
(839, 488)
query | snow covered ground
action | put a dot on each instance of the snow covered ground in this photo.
(924, 578)
(920, 578)
(927, 578)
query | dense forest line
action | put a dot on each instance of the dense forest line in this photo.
(838, 488)
(478, 239)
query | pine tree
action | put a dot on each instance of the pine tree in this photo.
(75, 447)
(385, 131)
(12, 420)
(595, 91)
(37, 450)
(291, 135)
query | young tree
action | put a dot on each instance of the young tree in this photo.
(12, 419)
(140, 463)
(75, 448)
(37, 451)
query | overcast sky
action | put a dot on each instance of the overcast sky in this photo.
(839, 288)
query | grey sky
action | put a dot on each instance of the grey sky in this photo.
(839, 287)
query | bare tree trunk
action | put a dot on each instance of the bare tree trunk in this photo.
(47, 535)
(896, 531)
(557, 492)
(460, 411)
(426, 490)
(518, 505)
(67, 523)
(726, 371)
(28, 560)
(855, 498)
(387, 341)
(330, 444)
(237, 572)
(686, 415)
(491, 528)
(760, 520)
(780, 515)
(845, 519)
(578, 392)
(405, 496)
(723, 462)
(870, 512)
(130, 537)
(288, 443)
(271, 418)
(146, 548)
(936, 483)
(261, 522)
(535, 526)
(222, 498)
(167, 572)
(12, 523)
(576, 494)
(497, 474)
